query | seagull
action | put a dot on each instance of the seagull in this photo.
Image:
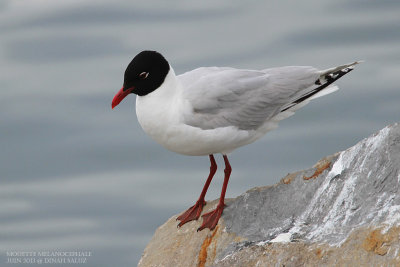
(214, 110)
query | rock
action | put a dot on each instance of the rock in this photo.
(344, 211)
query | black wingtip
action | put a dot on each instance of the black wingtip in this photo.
(330, 78)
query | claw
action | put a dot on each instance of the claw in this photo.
(193, 213)
(210, 219)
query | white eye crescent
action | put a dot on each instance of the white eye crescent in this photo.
(143, 75)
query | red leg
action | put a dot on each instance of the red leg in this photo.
(193, 213)
(210, 219)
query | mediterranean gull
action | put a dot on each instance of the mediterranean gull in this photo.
(213, 110)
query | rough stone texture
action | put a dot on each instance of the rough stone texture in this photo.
(345, 211)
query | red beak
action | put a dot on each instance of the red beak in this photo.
(120, 95)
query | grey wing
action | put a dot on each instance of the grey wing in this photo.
(246, 99)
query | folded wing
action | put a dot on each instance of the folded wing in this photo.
(246, 99)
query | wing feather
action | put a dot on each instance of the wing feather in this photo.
(246, 99)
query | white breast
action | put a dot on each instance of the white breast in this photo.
(157, 111)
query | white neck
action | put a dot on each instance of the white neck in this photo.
(168, 89)
(159, 107)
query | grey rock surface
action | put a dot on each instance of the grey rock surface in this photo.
(358, 186)
(344, 210)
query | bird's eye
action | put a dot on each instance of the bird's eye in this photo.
(143, 75)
